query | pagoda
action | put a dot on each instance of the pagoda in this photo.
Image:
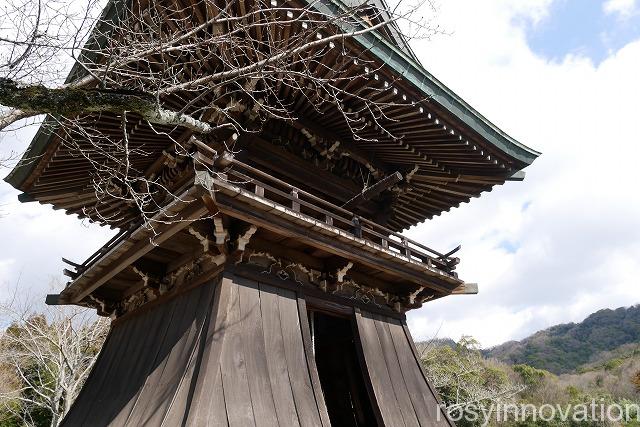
(271, 288)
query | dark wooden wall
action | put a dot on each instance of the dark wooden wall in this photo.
(403, 394)
(233, 357)
(261, 375)
(238, 352)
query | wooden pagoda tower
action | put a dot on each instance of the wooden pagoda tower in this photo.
(276, 295)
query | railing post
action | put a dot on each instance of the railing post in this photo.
(357, 227)
(259, 191)
(385, 243)
(295, 206)
(328, 220)
(405, 245)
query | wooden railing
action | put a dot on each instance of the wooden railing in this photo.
(122, 235)
(277, 191)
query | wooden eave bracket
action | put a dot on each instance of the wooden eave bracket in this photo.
(341, 272)
(466, 289)
(244, 239)
(220, 232)
(203, 239)
(335, 246)
(211, 156)
(52, 299)
(374, 190)
(315, 234)
(313, 132)
(148, 279)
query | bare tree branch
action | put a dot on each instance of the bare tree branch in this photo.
(203, 69)
(34, 100)
(48, 356)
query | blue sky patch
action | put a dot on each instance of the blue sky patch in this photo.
(509, 247)
(582, 27)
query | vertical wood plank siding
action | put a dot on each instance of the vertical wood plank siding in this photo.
(402, 393)
(224, 354)
(237, 352)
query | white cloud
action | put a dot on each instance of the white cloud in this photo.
(34, 237)
(622, 8)
(5, 268)
(577, 242)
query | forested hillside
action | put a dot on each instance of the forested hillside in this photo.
(563, 348)
(464, 378)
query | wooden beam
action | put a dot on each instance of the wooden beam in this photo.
(466, 289)
(373, 190)
(351, 149)
(332, 245)
(194, 211)
(313, 295)
(153, 269)
(281, 251)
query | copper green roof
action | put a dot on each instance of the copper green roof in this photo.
(395, 54)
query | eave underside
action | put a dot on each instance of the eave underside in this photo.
(443, 168)
(445, 159)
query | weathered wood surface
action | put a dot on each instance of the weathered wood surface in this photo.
(374, 190)
(276, 360)
(336, 241)
(311, 364)
(235, 382)
(231, 353)
(142, 364)
(402, 392)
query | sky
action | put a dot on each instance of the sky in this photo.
(561, 76)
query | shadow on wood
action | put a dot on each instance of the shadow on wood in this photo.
(237, 351)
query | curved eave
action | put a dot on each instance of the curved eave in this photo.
(41, 140)
(400, 63)
(31, 157)
(407, 67)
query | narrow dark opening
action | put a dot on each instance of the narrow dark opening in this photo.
(341, 378)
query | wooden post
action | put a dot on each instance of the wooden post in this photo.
(407, 250)
(328, 220)
(295, 206)
(259, 191)
(357, 227)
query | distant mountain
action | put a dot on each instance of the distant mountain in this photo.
(563, 348)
